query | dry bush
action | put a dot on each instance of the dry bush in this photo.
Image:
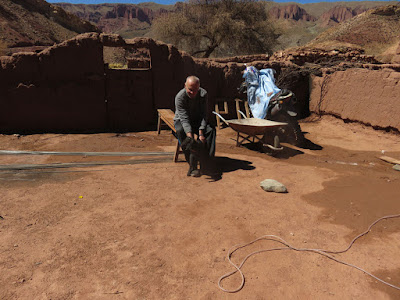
(115, 57)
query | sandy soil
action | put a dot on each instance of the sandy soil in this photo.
(147, 231)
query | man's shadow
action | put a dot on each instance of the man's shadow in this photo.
(225, 164)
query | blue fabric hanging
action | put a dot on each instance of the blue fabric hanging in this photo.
(260, 89)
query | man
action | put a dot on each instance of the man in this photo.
(191, 122)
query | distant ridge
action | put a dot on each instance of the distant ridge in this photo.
(376, 31)
(132, 20)
(291, 11)
(128, 20)
(37, 23)
(339, 14)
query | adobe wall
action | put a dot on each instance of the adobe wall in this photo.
(60, 88)
(170, 68)
(220, 78)
(66, 88)
(367, 96)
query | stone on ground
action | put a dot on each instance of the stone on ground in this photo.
(271, 185)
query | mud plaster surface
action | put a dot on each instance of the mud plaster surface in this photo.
(147, 231)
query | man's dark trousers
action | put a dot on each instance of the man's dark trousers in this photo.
(209, 133)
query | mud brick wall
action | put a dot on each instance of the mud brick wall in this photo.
(67, 87)
(129, 100)
(368, 96)
(60, 88)
(170, 68)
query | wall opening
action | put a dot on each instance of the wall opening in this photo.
(123, 58)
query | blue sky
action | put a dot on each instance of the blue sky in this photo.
(173, 1)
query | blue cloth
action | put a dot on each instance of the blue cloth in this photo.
(260, 89)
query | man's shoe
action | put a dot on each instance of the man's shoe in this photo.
(195, 173)
(189, 173)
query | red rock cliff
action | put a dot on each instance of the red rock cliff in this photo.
(339, 14)
(293, 12)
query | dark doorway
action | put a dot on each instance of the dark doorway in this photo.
(129, 99)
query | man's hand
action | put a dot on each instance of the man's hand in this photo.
(202, 138)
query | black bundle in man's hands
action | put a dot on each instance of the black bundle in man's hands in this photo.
(187, 144)
(192, 145)
(197, 153)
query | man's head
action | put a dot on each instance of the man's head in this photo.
(192, 86)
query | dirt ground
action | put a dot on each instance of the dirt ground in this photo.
(145, 230)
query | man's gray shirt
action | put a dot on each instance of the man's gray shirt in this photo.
(191, 112)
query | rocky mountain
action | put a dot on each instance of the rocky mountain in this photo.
(376, 31)
(339, 14)
(128, 20)
(37, 23)
(292, 12)
(298, 24)
(132, 20)
(330, 17)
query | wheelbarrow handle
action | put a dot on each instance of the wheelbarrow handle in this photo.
(221, 117)
(244, 116)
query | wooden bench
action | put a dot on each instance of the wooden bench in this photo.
(167, 116)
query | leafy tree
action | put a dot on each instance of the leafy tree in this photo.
(225, 27)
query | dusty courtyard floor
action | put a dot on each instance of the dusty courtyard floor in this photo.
(147, 231)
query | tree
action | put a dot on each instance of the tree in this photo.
(228, 27)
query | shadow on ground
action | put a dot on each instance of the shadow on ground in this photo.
(307, 144)
(286, 152)
(225, 165)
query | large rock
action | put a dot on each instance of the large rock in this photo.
(271, 185)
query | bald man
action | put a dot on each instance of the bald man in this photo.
(191, 121)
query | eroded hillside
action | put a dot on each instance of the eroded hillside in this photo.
(376, 31)
(37, 23)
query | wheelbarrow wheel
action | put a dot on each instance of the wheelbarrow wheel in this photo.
(290, 133)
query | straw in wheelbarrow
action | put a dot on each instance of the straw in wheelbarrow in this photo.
(250, 126)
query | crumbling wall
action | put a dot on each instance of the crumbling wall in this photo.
(170, 67)
(129, 103)
(60, 88)
(67, 87)
(367, 96)
(219, 77)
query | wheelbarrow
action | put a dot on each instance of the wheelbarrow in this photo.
(249, 129)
